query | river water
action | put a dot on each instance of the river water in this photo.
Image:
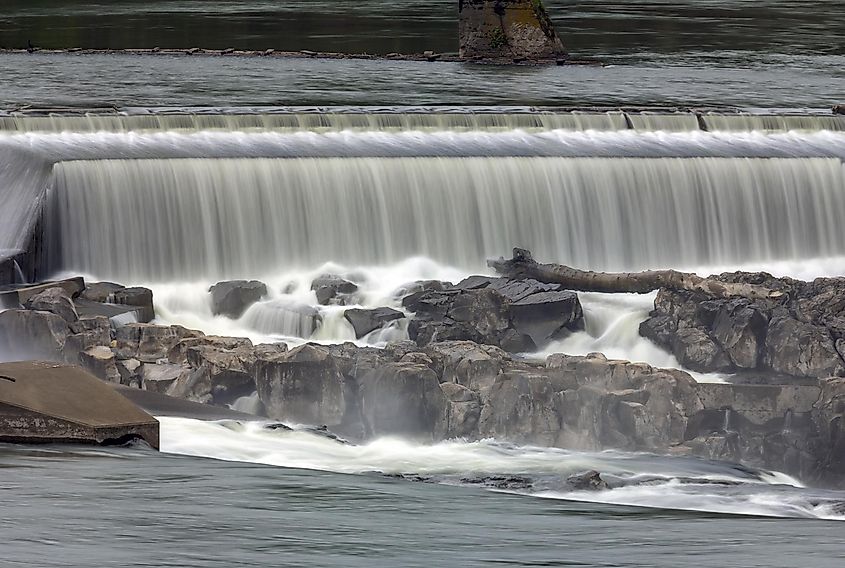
(284, 169)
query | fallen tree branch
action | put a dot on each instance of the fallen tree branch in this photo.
(523, 265)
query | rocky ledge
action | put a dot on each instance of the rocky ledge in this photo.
(462, 376)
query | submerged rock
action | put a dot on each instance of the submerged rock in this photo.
(233, 297)
(587, 481)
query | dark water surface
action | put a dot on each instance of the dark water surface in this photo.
(165, 80)
(770, 53)
(86, 507)
(381, 26)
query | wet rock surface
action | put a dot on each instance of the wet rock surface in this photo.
(333, 289)
(365, 321)
(233, 297)
(516, 315)
(431, 389)
(800, 335)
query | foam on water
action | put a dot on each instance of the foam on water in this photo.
(637, 479)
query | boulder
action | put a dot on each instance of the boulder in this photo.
(88, 331)
(72, 286)
(365, 321)
(284, 317)
(303, 385)
(101, 292)
(162, 377)
(403, 399)
(233, 297)
(33, 334)
(179, 352)
(332, 289)
(147, 342)
(740, 327)
(54, 300)
(218, 376)
(138, 298)
(100, 362)
(800, 333)
(507, 30)
(802, 349)
(516, 315)
(131, 373)
(521, 407)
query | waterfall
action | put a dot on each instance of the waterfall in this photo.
(414, 119)
(190, 219)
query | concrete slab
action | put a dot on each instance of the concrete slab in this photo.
(43, 402)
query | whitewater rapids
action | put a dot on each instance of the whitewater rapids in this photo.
(640, 480)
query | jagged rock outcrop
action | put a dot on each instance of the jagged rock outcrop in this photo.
(138, 298)
(56, 301)
(800, 334)
(516, 315)
(507, 30)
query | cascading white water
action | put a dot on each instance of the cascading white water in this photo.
(636, 479)
(204, 219)
(321, 121)
(399, 119)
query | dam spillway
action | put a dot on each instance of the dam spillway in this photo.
(212, 194)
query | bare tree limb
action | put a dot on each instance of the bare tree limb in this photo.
(523, 265)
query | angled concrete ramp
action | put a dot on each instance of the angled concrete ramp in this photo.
(43, 402)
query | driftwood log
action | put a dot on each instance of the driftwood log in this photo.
(523, 265)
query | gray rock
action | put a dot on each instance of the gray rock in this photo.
(740, 328)
(88, 331)
(802, 349)
(162, 377)
(147, 342)
(521, 407)
(218, 376)
(696, 350)
(101, 292)
(365, 321)
(516, 315)
(131, 373)
(587, 481)
(56, 301)
(100, 362)
(332, 289)
(29, 334)
(404, 399)
(304, 385)
(464, 410)
(232, 298)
